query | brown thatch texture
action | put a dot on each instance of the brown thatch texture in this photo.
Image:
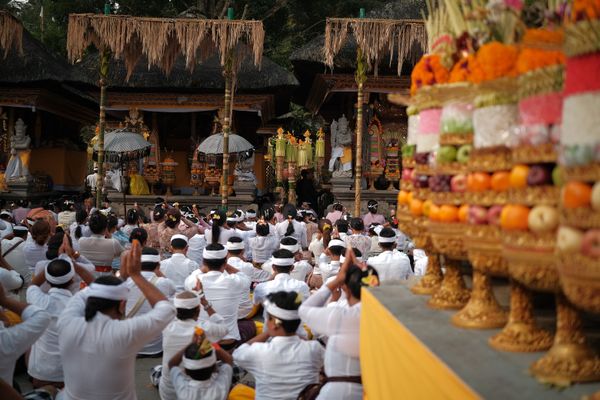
(11, 33)
(375, 38)
(161, 40)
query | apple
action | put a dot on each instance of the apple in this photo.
(406, 174)
(569, 239)
(539, 175)
(477, 215)
(557, 177)
(458, 183)
(446, 154)
(421, 182)
(463, 153)
(596, 196)
(590, 245)
(413, 175)
(542, 219)
(493, 215)
(421, 158)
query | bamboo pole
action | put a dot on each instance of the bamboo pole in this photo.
(228, 73)
(361, 77)
(102, 120)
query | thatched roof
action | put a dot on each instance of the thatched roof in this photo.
(35, 65)
(313, 51)
(207, 75)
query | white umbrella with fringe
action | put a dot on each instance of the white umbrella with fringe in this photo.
(214, 144)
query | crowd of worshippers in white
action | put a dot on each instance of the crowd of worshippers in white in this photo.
(100, 292)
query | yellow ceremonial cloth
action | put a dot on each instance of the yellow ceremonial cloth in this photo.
(347, 157)
(11, 318)
(138, 185)
(241, 392)
(259, 327)
(254, 311)
(25, 155)
(396, 365)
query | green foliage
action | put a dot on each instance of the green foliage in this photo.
(289, 24)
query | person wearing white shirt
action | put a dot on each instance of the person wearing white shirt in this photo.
(178, 267)
(301, 268)
(219, 232)
(178, 334)
(79, 229)
(263, 244)
(137, 304)
(35, 245)
(97, 248)
(196, 374)
(340, 323)
(92, 332)
(235, 254)
(358, 239)
(251, 220)
(12, 251)
(6, 226)
(391, 264)
(196, 245)
(54, 245)
(224, 287)
(10, 279)
(283, 262)
(421, 261)
(281, 362)
(45, 365)
(293, 228)
(16, 340)
(335, 249)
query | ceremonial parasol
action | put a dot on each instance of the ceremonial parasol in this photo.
(121, 146)
(214, 144)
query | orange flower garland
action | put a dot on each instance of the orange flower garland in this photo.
(532, 59)
(467, 69)
(585, 9)
(428, 71)
(497, 60)
(544, 37)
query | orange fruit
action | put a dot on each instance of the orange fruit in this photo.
(434, 213)
(416, 207)
(402, 197)
(500, 181)
(448, 213)
(409, 198)
(576, 194)
(518, 176)
(478, 182)
(463, 213)
(514, 217)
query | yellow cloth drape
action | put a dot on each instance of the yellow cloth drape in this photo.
(138, 185)
(396, 365)
(241, 392)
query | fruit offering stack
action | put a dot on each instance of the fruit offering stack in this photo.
(405, 219)
(579, 233)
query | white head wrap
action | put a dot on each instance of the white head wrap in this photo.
(214, 254)
(383, 239)
(287, 315)
(250, 214)
(109, 292)
(294, 248)
(378, 229)
(60, 280)
(235, 246)
(179, 236)
(205, 362)
(186, 303)
(151, 258)
(20, 228)
(336, 242)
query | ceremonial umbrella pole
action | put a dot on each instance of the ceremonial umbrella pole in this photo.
(228, 75)
(162, 40)
(374, 37)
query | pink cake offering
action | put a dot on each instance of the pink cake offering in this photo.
(543, 109)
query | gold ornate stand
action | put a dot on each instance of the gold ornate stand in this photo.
(570, 359)
(453, 293)
(482, 311)
(431, 281)
(521, 333)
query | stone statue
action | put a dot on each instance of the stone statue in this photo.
(340, 163)
(17, 169)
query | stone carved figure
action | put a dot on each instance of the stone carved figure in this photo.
(17, 169)
(340, 163)
(244, 170)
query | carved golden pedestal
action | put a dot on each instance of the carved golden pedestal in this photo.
(570, 359)
(431, 281)
(482, 311)
(453, 293)
(521, 333)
